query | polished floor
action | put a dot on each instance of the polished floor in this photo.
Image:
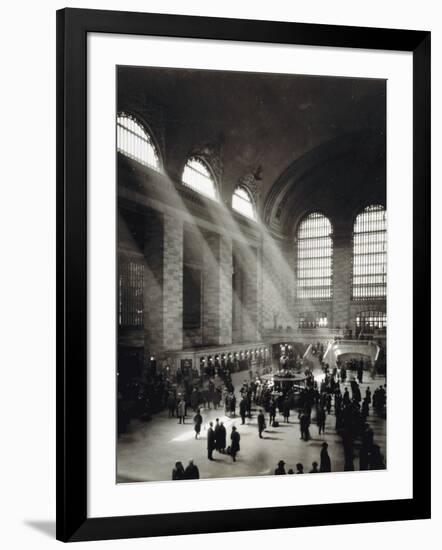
(148, 451)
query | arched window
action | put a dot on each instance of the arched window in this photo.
(198, 177)
(242, 202)
(314, 258)
(370, 254)
(134, 142)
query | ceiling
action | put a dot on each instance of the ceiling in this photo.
(260, 119)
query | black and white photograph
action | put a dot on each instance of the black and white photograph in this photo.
(220, 237)
(252, 274)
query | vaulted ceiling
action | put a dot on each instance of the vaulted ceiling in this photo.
(274, 125)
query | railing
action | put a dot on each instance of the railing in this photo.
(321, 332)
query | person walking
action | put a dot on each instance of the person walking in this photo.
(368, 395)
(325, 465)
(261, 423)
(329, 403)
(232, 405)
(243, 410)
(171, 404)
(210, 441)
(286, 409)
(304, 423)
(320, 420)
(234, 446)
(272, 412)
(181, 411)
(198, 420)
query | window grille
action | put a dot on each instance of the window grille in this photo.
(314, 258)
(131, 288)
(197, 176)
(370, 254)
(370, 320)
(242, 202)
(134, 142)
(313, 319)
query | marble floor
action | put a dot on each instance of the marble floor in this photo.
(149, 450)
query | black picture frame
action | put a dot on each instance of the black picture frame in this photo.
(73, 25)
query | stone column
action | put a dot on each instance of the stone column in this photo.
(250, 295)
(342, 272)
(163, 285)
(173, 283)
(217, 290)
(236, 299)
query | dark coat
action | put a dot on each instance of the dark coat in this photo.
(178, 474)
(210, 439)
(221, 437)
(242, 407)
(261, 421)
(192, 472)
(235, 437)
(325, 461)
(198, 419)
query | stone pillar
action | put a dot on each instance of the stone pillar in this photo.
(250, 295)
(163, 285)
(342, 272)
(217, 290)
(237, 283)
(173, 283)
(225, 290)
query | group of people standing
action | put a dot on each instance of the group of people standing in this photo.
(325, 464)
(190, 472)
(216, 440)
(217, 437)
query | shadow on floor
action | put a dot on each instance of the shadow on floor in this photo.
(46, 527)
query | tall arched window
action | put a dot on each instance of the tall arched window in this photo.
(242, 202)
(314, 258)
(370, 254)
(198, 177)
(134, 142)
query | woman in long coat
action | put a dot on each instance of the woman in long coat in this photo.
(234, 446)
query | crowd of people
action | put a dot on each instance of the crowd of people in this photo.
(314, 403)
(335, 402)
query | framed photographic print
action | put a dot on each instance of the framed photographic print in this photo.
(243, 236)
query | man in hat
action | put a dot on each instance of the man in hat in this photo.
(280, 470)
